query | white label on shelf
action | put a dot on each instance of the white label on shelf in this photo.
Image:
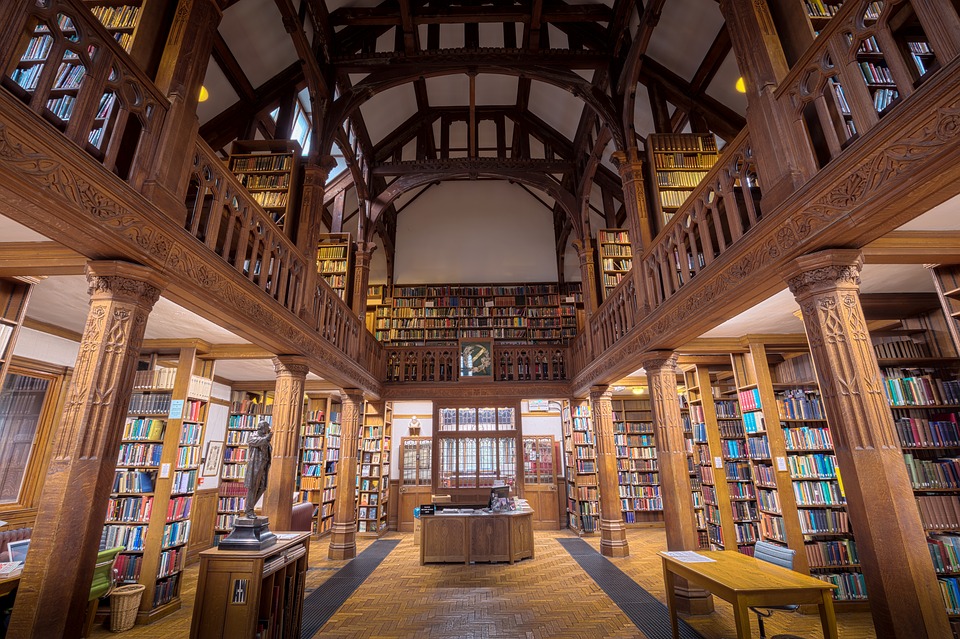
(718, 462)
(239, 591)
(176, 409)
(164, 470)
(782, 464)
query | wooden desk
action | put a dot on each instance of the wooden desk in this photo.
(7, 584)
(744, 582)
(464, 537)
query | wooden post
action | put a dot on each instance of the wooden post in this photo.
(613, 532)
(181, 72)
(291, 372)
(675, 491)
(309, 226)
(905, 598)
(55, 585)
(361, 277)
(638, 219)
(782, 164)
(343, 531)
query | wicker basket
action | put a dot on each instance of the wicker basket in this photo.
(124, 603)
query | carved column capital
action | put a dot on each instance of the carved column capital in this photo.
(365, 252)
(316, 173)
(824, 271)
(124, 281)
(291, 366)
(600, 393)
(584, 249)
(656, 361)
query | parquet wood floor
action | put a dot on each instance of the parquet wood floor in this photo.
(548, 597)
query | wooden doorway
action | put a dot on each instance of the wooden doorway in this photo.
(539, 480)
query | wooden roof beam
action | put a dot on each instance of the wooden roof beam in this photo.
(391, 16)
(706, 72)
(231, 68)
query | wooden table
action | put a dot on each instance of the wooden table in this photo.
(744, 581)
(8, 583)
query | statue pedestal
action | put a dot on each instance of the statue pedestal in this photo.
(249, 534)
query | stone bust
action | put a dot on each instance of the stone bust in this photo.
(259, 454)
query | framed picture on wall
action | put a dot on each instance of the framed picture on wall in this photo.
(211, 463)
(476, 359)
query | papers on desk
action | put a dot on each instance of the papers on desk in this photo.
(687, 557)
(7, 568)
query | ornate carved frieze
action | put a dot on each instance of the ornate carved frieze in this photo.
(153, 239)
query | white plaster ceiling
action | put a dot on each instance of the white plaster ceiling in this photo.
(387, 110)
(723, 87)
(943, 217)
(556, 107)
(253, 29)
(220, 93)
(684, 35)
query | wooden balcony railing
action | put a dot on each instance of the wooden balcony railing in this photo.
(58, 59)
(442, 363)
(860, 68)
(619, 313)
(225, 217)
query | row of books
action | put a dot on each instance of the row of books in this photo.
(184, 481)
(808, 438)
(945, 551)
(631, 490)
(939, 473)
(149, 404)
(744, 511)
(117, 17)
(130, 537)
(822, 554)
(166, 590)
(175, 534)
(179, 508)
(812, 466)
(940, 430)
(144, 428)
(265, 162)
(171, 561)
(155, 379)
(800, 404)
(939, 512)
(818, 493)
(851, 586)
(919, 390)
(130, 509)
(133, 481)
(641, 504)
(139, 454)
(731, 427)
(188, 457)
(759, 447)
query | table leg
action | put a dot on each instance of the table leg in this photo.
(669, 583)
(828, 620)
(741, 615)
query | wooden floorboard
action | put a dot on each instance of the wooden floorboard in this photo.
(546, 598)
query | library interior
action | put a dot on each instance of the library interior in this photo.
(666, 341)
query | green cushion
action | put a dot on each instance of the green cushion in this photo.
(103, 573)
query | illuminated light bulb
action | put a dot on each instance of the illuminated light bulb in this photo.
(203, 94)
(741, 85)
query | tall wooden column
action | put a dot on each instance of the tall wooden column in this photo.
(675, 491)
(904, 596)
(182, 69)
(361, 277)
(613, 532)
(783, 162)
(638, 219)
(55, 586)
(309, 224)
(343, 531)
(291, 372)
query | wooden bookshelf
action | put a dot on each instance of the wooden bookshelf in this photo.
(580, 459)
(14, 296)
(373, 469)
(270, 170)
(335, 262)
(678, 161)
(637, 469)
(247, 408)
(443, 314)
(150, 506)
(693, 468)
(616, 257)
(252, 594)
(313, 432)
(378, 311)
(331, 459)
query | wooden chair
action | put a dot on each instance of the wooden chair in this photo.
(104, 581)
(779, 556)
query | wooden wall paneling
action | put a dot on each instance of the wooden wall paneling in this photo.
(203, 515)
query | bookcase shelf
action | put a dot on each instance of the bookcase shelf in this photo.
(678, 161)
(443, 314)
(616, 257)
(335, 262)
(323, 488)
(270, 170)
(149, 511)
(637, 467)
(373, 469)
(580, 460)
(247, 408)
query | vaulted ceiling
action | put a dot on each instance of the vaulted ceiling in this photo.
(408, 93)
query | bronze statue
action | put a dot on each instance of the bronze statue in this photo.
(259, 454)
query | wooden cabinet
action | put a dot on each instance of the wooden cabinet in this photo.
(679, 161)
(616, 257)
(270, 169)
(334, 262)
(244, 594)
(466, 538)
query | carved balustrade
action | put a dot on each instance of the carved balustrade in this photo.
(513, 363)
(618, 314)
(59, 60)
(861, 67)
(335, 322)
(723, 207)
(225, 217)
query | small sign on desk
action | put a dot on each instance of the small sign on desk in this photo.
(427, 509)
